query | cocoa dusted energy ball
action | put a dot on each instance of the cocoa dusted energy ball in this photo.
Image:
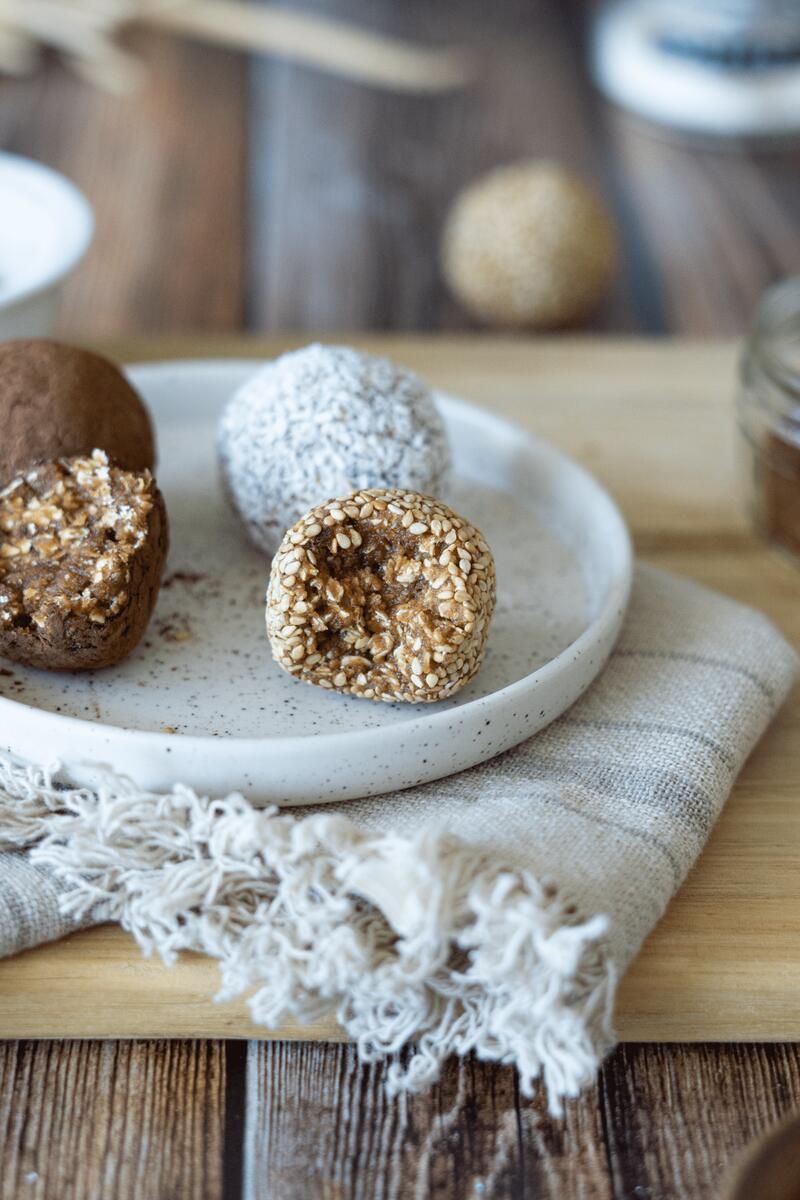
(529, 245)
(57, 401)
(320, 422)
(385, 595)
(82, 548)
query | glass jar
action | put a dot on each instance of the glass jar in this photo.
(769, 415)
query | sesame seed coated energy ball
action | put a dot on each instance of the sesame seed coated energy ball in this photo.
(529, 245)
(384, 594)
(320, 422)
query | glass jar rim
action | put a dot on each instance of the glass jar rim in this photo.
(779, 305)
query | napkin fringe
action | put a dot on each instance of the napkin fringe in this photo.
(422, 942)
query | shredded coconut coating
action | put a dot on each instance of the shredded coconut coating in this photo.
(68, 531)
(384, 595)
(321, 422)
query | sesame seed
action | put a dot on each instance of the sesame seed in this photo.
(334, 590)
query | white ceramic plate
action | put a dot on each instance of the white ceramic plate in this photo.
(201, 702)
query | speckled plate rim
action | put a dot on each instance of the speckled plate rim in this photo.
(590, 649)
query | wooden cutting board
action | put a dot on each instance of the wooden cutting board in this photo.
(655, 422)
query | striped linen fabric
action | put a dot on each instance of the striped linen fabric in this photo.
(494, 910)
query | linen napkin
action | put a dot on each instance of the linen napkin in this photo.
(492, 911)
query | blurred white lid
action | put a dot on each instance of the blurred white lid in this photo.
(637, 62)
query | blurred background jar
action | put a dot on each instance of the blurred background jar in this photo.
(728, 68)
(769, 416)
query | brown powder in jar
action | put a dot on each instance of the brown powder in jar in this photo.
(779, 507)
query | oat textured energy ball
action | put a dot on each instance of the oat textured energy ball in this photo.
(82, 548)
(320, 422)
(57, 401)
(529, 245)
(384, 594)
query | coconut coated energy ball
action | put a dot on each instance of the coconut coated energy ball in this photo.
(321, 422)
(384, 594)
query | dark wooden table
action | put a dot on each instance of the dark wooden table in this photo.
(235, 194)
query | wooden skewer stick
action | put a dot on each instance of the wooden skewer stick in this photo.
(84, 31)
(317, 41)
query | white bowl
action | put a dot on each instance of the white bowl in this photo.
(201, 702)
(45, 228)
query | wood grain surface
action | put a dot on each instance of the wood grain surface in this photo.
(125, 1119)
(162, 1121)
(661, 1124)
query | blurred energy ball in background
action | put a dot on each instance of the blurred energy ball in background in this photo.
(529, 245)
(721, 67)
